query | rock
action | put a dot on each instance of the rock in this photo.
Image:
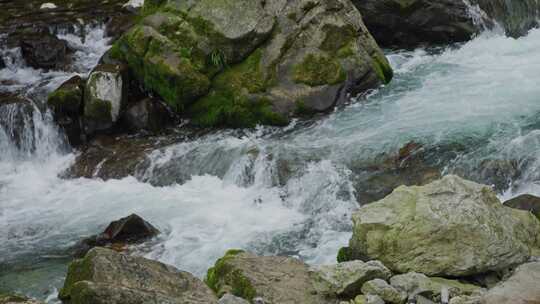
(128, 230)
(66, 103)
(16, 121)
(41, 49)
(47, 6)
(448, 228)
(271, 278)
(413, 283)
(465, 300)
(346, 279)
(241, 63)
(230, 299)
(148, 114)
(520, 288)
(133, 5)
(385, 291)
(105, 97)
(14, 299)
(105, 276)
(2, 63)
(409, 24)
(374, 299)
(525, 202)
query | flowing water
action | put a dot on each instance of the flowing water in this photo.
(273, 191)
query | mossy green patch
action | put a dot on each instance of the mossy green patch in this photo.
(225, 108)
(98, 110)
(316, 70)
(337, 37)
(344, 254)
(223, 274)
(67, 101)
(78, 270)
(246, 75)
(383, 69)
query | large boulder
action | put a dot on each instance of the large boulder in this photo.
(526, 202)
(131, 229)
(147, 114)
(107, 277)
(66, 103)
(239, 63)
(450, 227)
(523, 287)
(410, 23)
(345, 279)
(105, 97)
(271, 279)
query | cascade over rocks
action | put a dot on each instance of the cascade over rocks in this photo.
(239, 63)
(107, 277)
(273, 279)
(450, 227)
(128, 230)
(411, 23)
(16, 120)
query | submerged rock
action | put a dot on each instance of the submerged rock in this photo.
(269, 279)
(66, 103)
(128, 230)
(526, 202)
(521, 288)
(107, 277)
(14, 299)
(248, 62)
(345, 279)
(450, 227)
(105, 97)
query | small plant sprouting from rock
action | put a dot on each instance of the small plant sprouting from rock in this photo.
(218, 59)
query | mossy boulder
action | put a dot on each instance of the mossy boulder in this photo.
(105, 97)
(450, 227)
(272, 278)
(240, 63)
(105, 276)
(66, 103)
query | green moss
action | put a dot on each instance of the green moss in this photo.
(223, 274)
(67, 101)
(225, 108)
(248, 75)
(337, 37)
(78, 270)
(344, 254)
(346, 51)
(383, 68)
(98, 110)
(301, 109)
(115, 52)
(316, 70)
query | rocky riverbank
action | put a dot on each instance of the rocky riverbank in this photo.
(451, 241)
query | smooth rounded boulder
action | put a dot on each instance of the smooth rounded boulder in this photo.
(450, 227)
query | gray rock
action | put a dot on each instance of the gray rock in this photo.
(40, 49)
(107, 277)
(465, 300)
(230, 299)
(522, 287)
(374, 299)
(384, 290)
(450, 227)
(273, 279)
(417, 283)
(346, 279)
(148, 114)
(105, 97)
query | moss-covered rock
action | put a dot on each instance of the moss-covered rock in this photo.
(240, 63)
(274, 279)
(105, 97)
(15, 299)
(66, 103)
(450, 227)
(104, 276)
